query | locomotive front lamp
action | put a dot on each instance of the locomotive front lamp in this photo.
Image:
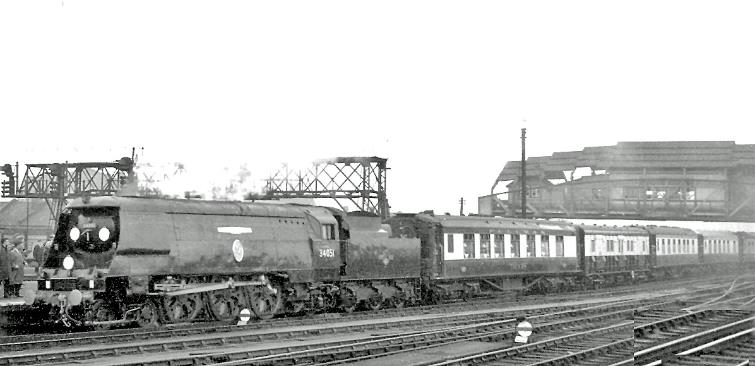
(74, 234)
(104, 234)
(68, 262)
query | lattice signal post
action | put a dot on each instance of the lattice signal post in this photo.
(359, 180)
(57, 182)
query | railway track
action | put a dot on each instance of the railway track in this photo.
(736, 349)
(609, 343)
(368, 348)
(135, 342)
(33, 341)
(243, 336)
(662, 339)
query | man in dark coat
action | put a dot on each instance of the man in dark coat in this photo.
(5, 267)
(16, 269)
(38, 253)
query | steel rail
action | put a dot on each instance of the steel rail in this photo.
(519, 350)
(414, 342)
(242, 335)
(651, 354)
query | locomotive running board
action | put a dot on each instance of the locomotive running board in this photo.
(211, 287)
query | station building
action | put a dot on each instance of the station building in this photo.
(679, 180)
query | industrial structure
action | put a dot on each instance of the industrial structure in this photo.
(359, 180)
(29, 218)
(55, 183)
(683, 180)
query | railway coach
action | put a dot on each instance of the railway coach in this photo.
(722, 250)
(674, 251)
(464, 255)
(614, 254)
(747, 248)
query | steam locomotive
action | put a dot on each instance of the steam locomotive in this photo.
(154, 261)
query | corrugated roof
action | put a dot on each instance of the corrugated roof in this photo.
(536, 166)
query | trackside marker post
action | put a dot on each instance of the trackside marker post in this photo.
(244, 317)
(523, 331)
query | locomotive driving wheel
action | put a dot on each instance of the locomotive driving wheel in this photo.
(349, 301)
(224, 305)
(398, 300)
(148, 314)
(99, 311)
(265, 302)
(375, 301)
(182, 308)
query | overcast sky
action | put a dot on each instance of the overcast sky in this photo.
(440, 88)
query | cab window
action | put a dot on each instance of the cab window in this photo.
(329, 232)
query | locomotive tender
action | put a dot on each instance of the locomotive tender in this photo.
(152, 260)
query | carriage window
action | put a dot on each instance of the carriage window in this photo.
(621, 245)
(450, 241)
(609, 245)
(468, 245)
(559, 245)
(530, 245)
(545, 246)
(484, 245)
(329, 232)
(515, 238)
(592, 245)
(498, 246)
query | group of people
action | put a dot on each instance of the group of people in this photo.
(11, 267)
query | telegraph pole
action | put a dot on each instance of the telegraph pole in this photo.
(524, 177)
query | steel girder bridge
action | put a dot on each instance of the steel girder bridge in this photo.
(359, 180)
(56, 183)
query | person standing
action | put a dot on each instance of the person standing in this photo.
(5, 267)
(38, 254)
(16, 269)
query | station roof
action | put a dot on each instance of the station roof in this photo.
(638, 155)
(18, 215)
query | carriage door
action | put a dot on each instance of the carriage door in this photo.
(582, 255)
(652, 250)
(700, 247)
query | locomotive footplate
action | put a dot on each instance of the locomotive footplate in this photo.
(185, 289)
(68, 284)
